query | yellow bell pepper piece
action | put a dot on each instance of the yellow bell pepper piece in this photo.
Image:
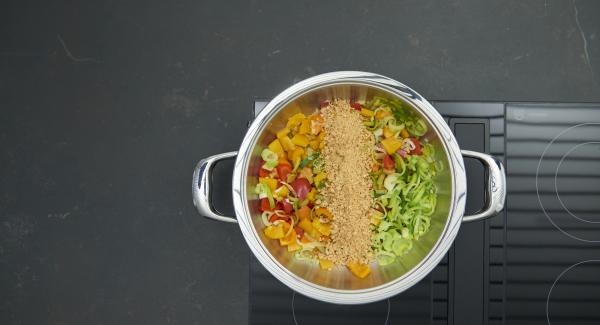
(367, 112)
(320, 178)
(312, 195)
(294, 246)
(314, 144)
(404, 133)
(274, 232)
(276, 147)
(270, 182)
(323, 212)
(325, 264)
(287, 143)
(387, 133)
(300, 140)
(360, 270)
(306, 225)
(304, 127)
(381, 114)
(315, 234)
(295, 120)
(288, 239)
(323, 228)
(391, 145)
(283, 133)
(296, 156)
(304, 154)
(282, 192)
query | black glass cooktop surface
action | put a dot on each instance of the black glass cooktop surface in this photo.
(536, 262)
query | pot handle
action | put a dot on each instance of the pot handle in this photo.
(201, 182)
(495, 193)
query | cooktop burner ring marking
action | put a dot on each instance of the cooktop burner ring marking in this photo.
(537, 188)
(556, 182)
(387, 316)
(558, 279)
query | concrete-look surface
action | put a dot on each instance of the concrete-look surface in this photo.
(106, 106)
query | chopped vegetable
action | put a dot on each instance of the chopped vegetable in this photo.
(301, 186)
(360, 270)
(291, 175)
(287, 206)
(296, 156)
(276, 147)
(272, 183)
(319, 178)
(417, 149)
(274, 232)
(391, 144)
(295, 120)
(283, 133)
(300, 140)
(323, 212)
(304, 126)
(314, 144)
(293, 247)
(264, 205)
(263, 172)
(283, 170)
(289, 238)
(325, 264)
(306, 225)
(308, 160)
(281, 192)
(387, 133)
(271, 159)
(404, 133)
(388, 162)
(311, 196)
(367, 112)
(299, 232)
(323, 228)
(381, 114)
(303, 213)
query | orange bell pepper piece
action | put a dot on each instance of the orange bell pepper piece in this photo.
(360, 270)
(303, 213)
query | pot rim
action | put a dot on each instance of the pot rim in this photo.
(419, 271)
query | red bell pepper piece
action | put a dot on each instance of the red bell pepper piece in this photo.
(388, 162)
(418, 148)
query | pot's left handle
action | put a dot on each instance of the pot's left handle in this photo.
(201, 186)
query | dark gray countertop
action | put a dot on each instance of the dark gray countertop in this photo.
(107, 106)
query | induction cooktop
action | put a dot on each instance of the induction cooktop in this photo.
(536, 262)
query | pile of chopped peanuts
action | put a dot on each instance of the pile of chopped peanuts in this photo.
(347, 162)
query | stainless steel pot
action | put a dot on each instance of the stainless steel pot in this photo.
(338, 285)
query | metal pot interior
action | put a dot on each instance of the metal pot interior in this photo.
(340, 278)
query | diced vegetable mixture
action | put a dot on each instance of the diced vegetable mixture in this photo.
(292, 174)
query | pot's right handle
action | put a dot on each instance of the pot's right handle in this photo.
(201, 182)
(495, 186)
